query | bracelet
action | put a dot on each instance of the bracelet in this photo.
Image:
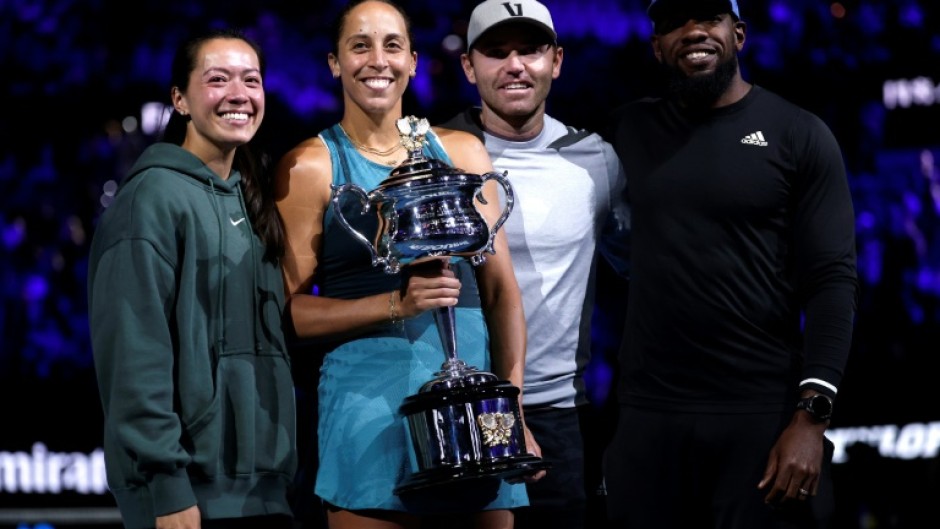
(393, 309)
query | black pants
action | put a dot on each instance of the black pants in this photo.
(559, 499)
(682, 470)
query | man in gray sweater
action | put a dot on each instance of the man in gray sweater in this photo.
(569, 208)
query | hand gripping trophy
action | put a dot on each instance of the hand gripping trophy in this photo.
(464, 423)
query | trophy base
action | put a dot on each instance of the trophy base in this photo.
(508, 468)
(466, 425)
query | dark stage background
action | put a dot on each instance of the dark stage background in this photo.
(82, 87)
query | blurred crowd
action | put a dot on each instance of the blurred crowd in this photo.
(78, 73)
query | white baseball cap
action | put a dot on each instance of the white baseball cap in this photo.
(493, 13)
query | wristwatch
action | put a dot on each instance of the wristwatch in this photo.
(819, 406)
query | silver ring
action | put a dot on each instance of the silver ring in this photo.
(804, 492)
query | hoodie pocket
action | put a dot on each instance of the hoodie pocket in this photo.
(205, 436)
(259, 414)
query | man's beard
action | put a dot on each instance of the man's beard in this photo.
(700, 91)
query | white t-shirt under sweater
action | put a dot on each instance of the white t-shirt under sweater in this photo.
(568, 186)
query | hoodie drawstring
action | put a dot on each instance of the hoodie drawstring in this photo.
(220, 302)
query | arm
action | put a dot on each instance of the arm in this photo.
(827, 279)
(824, 228)
(303, 193)
(614, 239)
(131, 300)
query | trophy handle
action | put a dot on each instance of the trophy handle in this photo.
(510, 200)
(391, 266)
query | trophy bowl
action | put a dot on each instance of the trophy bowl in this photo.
(464, 423)
(425, 209)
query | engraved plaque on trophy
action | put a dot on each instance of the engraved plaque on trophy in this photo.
(464, 423)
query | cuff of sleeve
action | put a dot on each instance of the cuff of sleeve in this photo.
(171, 493)
(820, 385)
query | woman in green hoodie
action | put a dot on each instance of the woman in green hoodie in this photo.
(185, 303)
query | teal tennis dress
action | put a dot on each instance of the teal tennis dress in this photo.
(364, 444)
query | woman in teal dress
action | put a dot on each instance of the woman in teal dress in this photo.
(377, 329)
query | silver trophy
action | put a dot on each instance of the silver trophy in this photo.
(464, 423)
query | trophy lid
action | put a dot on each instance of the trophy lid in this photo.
(413, 133)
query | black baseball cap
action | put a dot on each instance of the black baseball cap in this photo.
(660, 9)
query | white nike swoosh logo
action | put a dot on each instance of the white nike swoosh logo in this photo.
(237, 222)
